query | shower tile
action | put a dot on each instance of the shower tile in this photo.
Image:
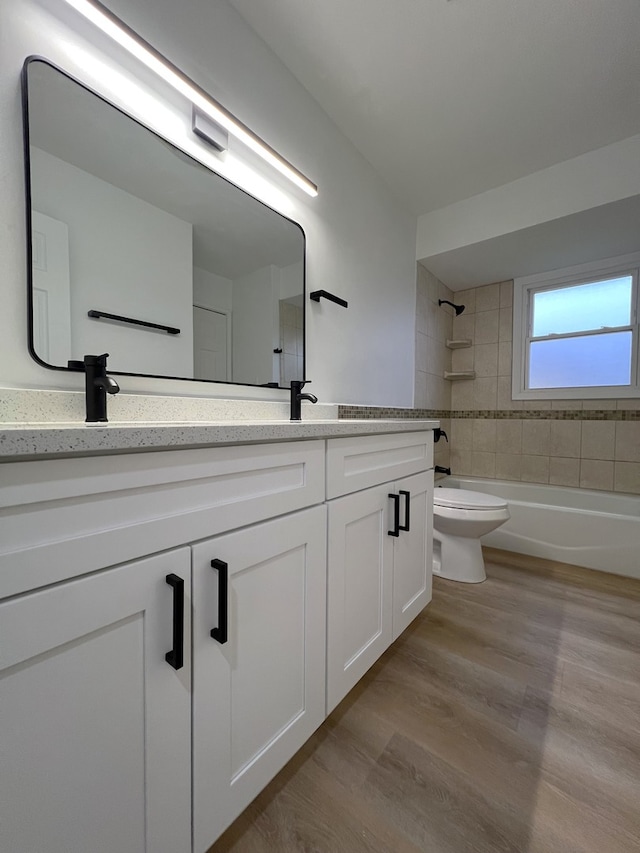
(486, 360)
(421, 401)
(601, 405)
(485, 393)
(463, 359)
(461, 462)
(508, 466)
(566, 404)
(509, 436)
(627, 477)
(421, 351)
(596, 474)
(462, 394)
(598, 439)
(464, 326)
(421, 307)
(483, 464)
(506, 294)
(468, 299)
(627, 446)
(505, 326)
(462, 433)
(504, 358)
(535, 469)
(484, 435)
(563, 471)
(487, 327)
(564, 438)
(487, 297)
(504, 400)
(536, 437)
(533, 405)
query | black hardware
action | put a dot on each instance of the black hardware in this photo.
(97, 385)
(278, 350)
(438, 434)
(439, 469)
(176, 655)
(170, 330)
(296, 398)
(457, 308)
(396, 515)
(221, 632)
(407, 504)
(316, 294)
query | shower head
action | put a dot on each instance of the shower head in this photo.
(457, 308)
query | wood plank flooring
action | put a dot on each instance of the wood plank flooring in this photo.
(506, 719)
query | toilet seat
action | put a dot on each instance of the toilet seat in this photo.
(465, 499)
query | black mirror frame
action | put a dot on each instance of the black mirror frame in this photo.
(29, 239)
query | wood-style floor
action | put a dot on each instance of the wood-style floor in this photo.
(506, 719)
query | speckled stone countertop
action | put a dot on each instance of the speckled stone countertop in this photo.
(32, 441)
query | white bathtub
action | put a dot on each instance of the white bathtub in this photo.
(598, 530)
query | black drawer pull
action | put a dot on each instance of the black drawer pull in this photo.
(396, 515)
(407, 505)
(221, 632)
(176, 655)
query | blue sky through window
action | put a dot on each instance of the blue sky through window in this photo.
(582, 307)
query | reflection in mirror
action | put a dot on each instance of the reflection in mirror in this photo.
(122, 222)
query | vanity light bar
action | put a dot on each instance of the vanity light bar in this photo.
(116, 29)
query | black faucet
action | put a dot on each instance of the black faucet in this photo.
(296, 398)
(440, 469)
(97, 385)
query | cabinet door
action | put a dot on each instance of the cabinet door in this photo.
(259, 694)
(412, 570)
(95, 733)
(360, 565)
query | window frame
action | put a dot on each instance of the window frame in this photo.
(525, 287)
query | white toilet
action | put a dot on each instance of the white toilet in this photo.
(460, 518)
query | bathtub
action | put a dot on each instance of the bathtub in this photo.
(597, 530)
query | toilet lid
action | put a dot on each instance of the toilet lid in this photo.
(465, 499)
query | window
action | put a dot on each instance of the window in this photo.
(576, 332)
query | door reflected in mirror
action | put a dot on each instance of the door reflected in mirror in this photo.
(124, 223)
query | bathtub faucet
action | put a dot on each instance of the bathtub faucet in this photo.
(440, 469)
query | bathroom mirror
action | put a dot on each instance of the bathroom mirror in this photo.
(138, 250)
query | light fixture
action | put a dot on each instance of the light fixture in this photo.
(116, 29)
(457, 308)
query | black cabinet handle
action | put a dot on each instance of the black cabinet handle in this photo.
(396, 515)
(221, 632)
(176, 655)
(407, 504)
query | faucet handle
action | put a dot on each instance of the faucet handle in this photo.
(97, 360)
(75, 365)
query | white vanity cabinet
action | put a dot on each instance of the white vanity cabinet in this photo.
(106, 746)
(378, 574)
(95, 735)
(259, 681)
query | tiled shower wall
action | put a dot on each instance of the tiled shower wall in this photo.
(592, 444)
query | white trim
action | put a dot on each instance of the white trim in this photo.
(522, 288)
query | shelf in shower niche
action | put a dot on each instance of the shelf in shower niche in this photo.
(452, 376)
(466, 342)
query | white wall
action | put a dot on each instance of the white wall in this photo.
(255, 326)
(360, 242)
(126, 257)
(212, 291)
(596, 178)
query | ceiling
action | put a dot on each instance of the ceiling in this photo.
(450, 98)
